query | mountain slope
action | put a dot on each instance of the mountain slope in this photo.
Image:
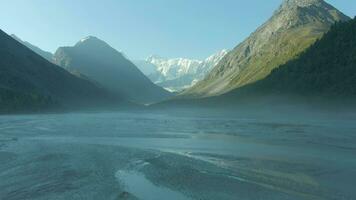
(294, 26)
(96, 60)
(327, 68)
(178, 73)
(29, 82)
(323, 75)
(45, 54)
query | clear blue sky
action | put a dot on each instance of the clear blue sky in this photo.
(139, 28)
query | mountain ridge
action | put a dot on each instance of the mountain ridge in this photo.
(323, 76)
(293, 27)
(176, 74)
(98, 61)
(30, 82)
(45, 54)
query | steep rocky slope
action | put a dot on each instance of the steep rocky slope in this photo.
(293, 27)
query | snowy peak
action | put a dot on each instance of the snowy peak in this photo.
(176, 67)
(178, 73)
(152, 58)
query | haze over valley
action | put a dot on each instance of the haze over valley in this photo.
(269, 115)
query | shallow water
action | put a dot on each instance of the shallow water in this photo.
(137, 184)
(168, 156)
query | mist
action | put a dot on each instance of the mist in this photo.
(272, 118)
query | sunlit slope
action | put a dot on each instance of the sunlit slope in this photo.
(326, 69)
(323, 75)
(293, 27)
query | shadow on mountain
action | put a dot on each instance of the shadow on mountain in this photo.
(321, 78)
(99, 62)
(30, 83)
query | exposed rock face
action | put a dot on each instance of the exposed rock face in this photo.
(293, 27)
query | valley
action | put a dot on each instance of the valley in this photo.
(86, 117)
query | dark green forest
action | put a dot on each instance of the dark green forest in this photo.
(29, 82)
(13, 101)
(327, 68)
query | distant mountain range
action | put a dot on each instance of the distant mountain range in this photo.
(293, 54)
(178, 74)
(295, 26)
(99, 62)
(28, 82)
(120, 76)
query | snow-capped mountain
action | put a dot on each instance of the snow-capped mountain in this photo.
(178, 73)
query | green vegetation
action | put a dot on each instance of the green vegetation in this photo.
(293, 28)
(328, 67)
(11, 101)
(28, 82)
(323, 75)
(285, 47)
(45, 54)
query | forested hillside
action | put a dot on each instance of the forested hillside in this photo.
(327, 68)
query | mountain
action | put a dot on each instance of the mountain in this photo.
(326, 69)
(323, 75)
(96, 60)
(47, 55)
(146, 68)
(29, 82)
(179, 73)
(293, 27)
